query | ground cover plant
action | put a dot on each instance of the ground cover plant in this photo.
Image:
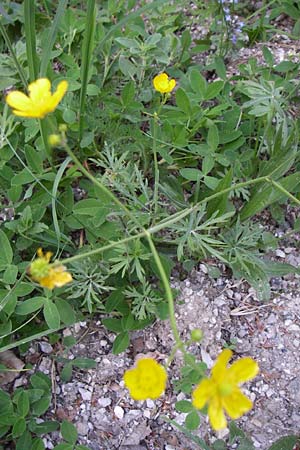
(126, 147)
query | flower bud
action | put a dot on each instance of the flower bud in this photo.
(196, 335)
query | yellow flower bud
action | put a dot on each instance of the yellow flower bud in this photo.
(54, 140)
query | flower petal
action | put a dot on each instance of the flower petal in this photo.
(39, 90)
(172, 84)
(236, 404)
(243, 370)
(216, 414)
(58, 94)
(203, 392)
(220, 367)
(18, 101)
(30, 114)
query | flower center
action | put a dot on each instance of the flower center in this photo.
(225, 389)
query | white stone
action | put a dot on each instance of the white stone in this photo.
(103, 402)
(86, 395)
(150, 403)
(119, 412)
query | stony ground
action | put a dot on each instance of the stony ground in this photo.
(229, 314)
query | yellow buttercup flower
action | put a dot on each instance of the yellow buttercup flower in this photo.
(40, 100)
(221, 391)
(147, 380)
(163, 84)
(46, 274)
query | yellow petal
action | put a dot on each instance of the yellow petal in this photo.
(172, 84)
(39, 90)
(203, 392)
(18, 101)
(236, 404)
(57, 277)
(243, 370)
(159, 80)
(220, 367)
(216, 414)
(32, 114)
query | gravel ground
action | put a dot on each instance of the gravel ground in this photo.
(229, 313)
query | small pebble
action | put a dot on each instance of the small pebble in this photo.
(119, 412)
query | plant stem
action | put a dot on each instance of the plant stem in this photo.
(156, 170)
(168, 291)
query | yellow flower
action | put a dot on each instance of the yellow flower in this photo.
(147, 380)
(221, 391)
(47, 275)
(162, 83)
(40, 100)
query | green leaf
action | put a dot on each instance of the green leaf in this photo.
(220, 203)
(184, 406)
(41, 381)
(268, 56)
(84, 363)
(198, 83)
(214, 89)
(113, 324)
(219, 445)
(66, 312)
(268, 194)
(112, 302)
(285, 66)
(66, 373)
(10, 274)
(121, 343)
(34, 159)
(213, 137)
(45, 427)
(51, 314)
(6, 254)
(192, 420)
(37, 444)
(29, 306)
(24, 442)
(126, 67)
(127, 94)
(69, 432)
(23, 404)
(183, 101)
(19, 427)
(41, 406)
(285, 443)
(69, 116)
(191, 174)
(220, 67)
(64, 447)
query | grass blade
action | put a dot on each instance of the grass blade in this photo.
(87, 50)
(45, 59)
(53, 201)
(29, 20)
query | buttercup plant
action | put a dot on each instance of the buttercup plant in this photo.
(205, 140)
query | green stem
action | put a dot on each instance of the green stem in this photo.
(174, 218)
(156, 170)
(168, 291)
(283, 190)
